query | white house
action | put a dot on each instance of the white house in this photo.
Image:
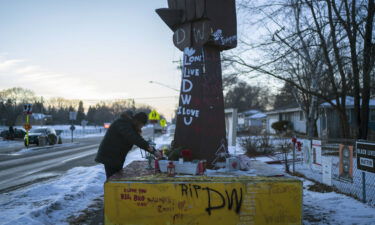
(251, 118)
(294, 115)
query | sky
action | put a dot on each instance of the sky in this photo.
(90, 50)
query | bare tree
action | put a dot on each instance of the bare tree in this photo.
(17, 95)
(244, 97)
(324, 49)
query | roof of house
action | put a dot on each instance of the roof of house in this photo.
(258, 116)
(293, 108)
(250, 112)
(349, 102)
(296, 109)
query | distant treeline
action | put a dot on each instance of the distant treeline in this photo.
(12, 104)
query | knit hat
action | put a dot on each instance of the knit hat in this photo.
(141, 117)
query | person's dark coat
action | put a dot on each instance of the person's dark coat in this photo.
(118, 141)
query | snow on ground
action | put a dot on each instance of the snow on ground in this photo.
(336, 209)
(9, 144)
(53, 201)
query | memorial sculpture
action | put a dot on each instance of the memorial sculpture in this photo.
(202, 29)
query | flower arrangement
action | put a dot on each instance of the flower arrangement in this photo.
(186, 155)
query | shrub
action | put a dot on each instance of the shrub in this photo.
(281, 126)
(255, 147)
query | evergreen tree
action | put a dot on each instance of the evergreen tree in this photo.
(244, 97)
(80, 113)
(91, 115)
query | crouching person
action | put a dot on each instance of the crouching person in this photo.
(119, 140)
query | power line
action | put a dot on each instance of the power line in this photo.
(164, 85)
(122, 99)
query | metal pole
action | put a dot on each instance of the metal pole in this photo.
(294, 156)
(71, 130)
(27, 131)
(364, 187)
(153, 132)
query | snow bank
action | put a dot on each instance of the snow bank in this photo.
(54, 201)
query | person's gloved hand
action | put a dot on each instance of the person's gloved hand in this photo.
(156, 153)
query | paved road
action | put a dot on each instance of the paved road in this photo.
(35, 164)
(20, 167)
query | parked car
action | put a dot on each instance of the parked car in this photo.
(59, 138)
(18, 133)
(35, 135)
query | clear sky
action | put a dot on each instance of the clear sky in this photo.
(89, 49)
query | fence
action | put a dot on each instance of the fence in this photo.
(324, 164)
(320, 160)
(66, 133)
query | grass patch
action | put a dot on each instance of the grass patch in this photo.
(319, 187)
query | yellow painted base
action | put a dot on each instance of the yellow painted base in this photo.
(203, 201)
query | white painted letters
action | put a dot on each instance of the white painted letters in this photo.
(180, 36)
(199, 33)
(191, 68)
(187, 85)
(185, 99)
(187, 123)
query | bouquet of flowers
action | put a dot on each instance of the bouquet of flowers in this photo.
(186, 155)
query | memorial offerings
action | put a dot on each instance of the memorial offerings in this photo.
(316, 155)
(306, 146)
(327, 170)
(317, 152)
(202, 29)
(346, 163)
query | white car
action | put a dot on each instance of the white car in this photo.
(171, 129)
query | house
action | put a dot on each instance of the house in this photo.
(257, 120)
(295, 115)
(251, 118)
(328, 122)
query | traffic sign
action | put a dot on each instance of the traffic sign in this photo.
(27, 109)
(72, 127)
(27, 126)
(163, 123)
(72, 115)
(84, 123)
(153, 115)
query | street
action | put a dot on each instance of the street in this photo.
(20, 166)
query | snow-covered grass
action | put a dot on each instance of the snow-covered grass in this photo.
(354, 187)
(334, 209)
(53, 201)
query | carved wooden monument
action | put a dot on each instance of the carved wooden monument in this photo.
(202, 28)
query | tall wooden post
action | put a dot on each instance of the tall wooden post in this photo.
(202, 29)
